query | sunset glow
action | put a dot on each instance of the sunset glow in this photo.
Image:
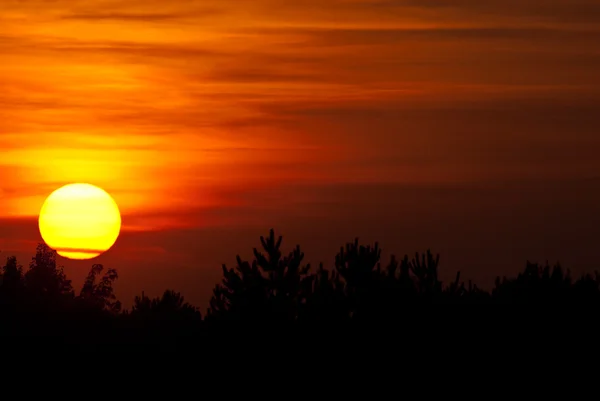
(148, 98)
(416, 122)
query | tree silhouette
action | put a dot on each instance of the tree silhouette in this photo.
(12, 299)
(270, 288)
(171, 305)
(44, 278)
(545, 285)
(325, 299)
(100, 293)
(12, 277)
(280, 289)
(274, 288)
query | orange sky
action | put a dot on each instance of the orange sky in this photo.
(200, 115)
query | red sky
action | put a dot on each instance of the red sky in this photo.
(468, 127)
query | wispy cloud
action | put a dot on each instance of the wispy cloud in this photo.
(121, 17)
(155, 99)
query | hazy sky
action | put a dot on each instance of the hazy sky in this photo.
(471, 127)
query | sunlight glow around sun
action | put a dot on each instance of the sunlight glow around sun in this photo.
(80, 221)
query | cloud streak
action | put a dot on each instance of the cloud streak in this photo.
(130, 94)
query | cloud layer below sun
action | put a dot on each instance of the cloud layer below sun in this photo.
(182, 106)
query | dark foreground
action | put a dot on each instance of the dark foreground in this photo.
(278, 293)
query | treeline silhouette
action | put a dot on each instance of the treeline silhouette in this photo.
(273, 288)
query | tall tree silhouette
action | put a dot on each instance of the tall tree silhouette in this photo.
(99, 292)
(360, 269)
(12, 297)
(272, 287)
(44, 278)
(12, 276)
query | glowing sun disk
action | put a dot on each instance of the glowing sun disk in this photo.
(80, 221)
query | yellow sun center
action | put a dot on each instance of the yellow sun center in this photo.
(80, 221)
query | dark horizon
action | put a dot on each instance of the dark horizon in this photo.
(500, 227)
(447, 279)
(277, 290)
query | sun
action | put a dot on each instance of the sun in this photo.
(80, 221)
